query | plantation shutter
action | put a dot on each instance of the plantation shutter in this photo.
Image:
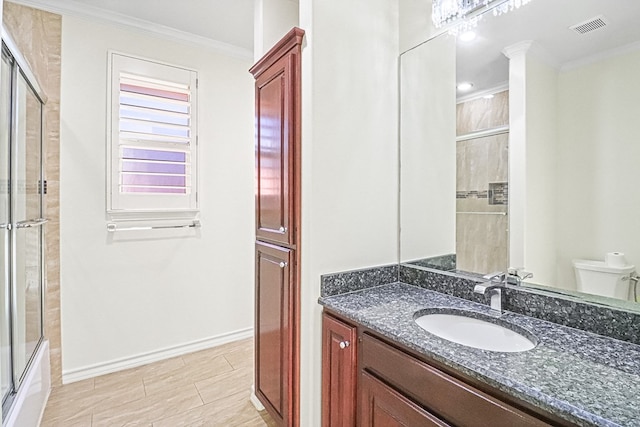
(153, 136)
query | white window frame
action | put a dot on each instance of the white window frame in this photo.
(135, 206)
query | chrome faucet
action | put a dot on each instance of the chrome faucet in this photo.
(496, 281)
(515, 276)
(493, 287)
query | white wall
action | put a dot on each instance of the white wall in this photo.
(131, 294)
(541, 172)
(350, 156)
(428, 150)
(598, 169)
(416, 25)
(273, 19)
(532, 163)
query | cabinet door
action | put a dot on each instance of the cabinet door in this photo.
(381, 406)
(338, 373)
(273, 324)
(274, 152)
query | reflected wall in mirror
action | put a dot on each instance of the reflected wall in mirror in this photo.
(573, 147)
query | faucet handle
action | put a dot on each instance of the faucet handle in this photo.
(495, 275)
(516, 275)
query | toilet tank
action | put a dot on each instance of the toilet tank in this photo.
(596, 277)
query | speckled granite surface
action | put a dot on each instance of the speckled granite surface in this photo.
(443, 262)
(585, 378)
(355, 280)
(599, 319)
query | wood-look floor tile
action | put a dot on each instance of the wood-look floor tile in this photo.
(205, 388)
(198, 415)
(145, 411)
(241, 358)
(147, 371)
(116, 378)
(204, 355)
(188, 374)
(79, 404)
(161, 367)
(69, 390)
(226, 384)
(234, 410)
(79, 421)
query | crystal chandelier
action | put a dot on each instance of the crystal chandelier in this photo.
(446, 12)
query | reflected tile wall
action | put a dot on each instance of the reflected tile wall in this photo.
(480, 114)
(38, 36)
(482, 168)
(481, 242)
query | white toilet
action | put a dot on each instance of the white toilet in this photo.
(599, 278)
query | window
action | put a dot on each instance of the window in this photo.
(153, 141)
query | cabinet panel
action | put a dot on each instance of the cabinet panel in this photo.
(274, 153)
(339, 372)
(274, 316)
(381, 406)
(449, 398)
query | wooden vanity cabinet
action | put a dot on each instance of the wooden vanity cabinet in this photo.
(339, 373)
(398, 388)
(445, 398)
(382, 406)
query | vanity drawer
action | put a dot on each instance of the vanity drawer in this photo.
(448, 398)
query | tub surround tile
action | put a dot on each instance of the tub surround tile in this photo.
(585, 378)
(350, 281)
(481, 113)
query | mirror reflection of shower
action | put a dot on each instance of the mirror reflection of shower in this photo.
(482, 184)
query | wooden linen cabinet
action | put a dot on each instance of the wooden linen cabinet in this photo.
(277, 284)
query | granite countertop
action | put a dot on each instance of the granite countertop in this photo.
(582, 377)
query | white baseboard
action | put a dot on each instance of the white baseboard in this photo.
(254, 399)
(98, 369)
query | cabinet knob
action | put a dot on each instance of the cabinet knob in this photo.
(344, 344)
(283, 264)
(283, 229)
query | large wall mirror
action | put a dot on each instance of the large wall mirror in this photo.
(536, 163)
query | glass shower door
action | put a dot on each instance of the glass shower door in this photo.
(5, 296)
(28, 222)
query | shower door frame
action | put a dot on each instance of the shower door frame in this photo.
(19, 67)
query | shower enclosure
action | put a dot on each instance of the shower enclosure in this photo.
(21, 222)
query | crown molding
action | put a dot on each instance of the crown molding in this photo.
(531, 49)
(77, 9)
(489, 91)
(601, 56)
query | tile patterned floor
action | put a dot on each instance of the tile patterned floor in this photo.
(207, 388)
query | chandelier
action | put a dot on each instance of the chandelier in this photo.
(446, 12)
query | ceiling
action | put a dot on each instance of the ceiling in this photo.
(546, 22)
(224, 22)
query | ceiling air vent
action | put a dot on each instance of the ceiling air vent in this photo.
(590, 25)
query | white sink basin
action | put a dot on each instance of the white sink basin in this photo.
(474, 332)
